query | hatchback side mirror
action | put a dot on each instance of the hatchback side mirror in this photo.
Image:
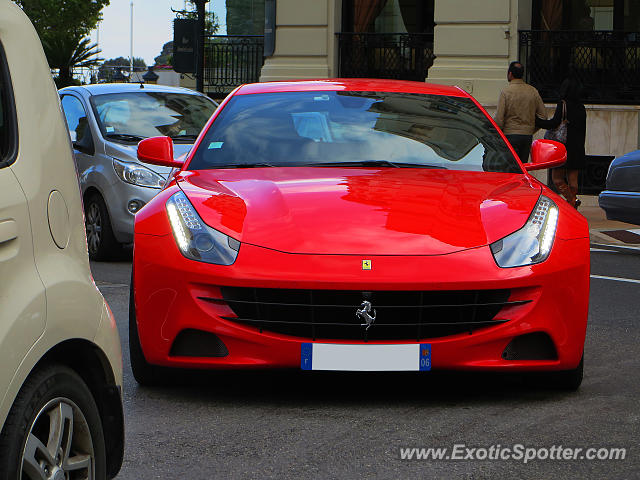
(158, 151)
(546, 154)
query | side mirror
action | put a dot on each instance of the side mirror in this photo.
(158, 151)
(546, 154)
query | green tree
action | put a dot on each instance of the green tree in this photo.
(245, 17)
(166, 55)
(68, 53)
(211, 21)
(63, 26)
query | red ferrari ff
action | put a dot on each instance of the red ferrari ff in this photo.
(365, 225)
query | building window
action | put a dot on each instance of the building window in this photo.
(386, 39)
(387, 16)
(585, 39)
(586, 15)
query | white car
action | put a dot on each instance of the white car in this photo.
(60, 358)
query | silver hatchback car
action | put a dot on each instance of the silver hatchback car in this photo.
(106, 122)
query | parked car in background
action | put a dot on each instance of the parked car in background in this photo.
(106, 122)
(621, 199)
(357, 225)
(60, 360)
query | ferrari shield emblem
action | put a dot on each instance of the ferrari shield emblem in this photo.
(366, 264)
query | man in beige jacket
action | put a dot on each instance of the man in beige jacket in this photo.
(518, 106)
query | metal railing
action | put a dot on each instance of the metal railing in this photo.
(606, 63)
(403, 56)
(231, 60)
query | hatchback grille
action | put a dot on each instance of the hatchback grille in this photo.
(331, 314)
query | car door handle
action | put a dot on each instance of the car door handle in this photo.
(8, 230)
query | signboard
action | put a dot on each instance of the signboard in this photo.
(184, 45)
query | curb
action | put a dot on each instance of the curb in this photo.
(627, 249)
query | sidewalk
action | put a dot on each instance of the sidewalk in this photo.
(603, 232)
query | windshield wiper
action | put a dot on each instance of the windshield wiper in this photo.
(125, 136)
(184, 137)
(243, 165)
(374, 163)
(360, 163)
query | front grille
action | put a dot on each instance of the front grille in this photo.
(331, 314)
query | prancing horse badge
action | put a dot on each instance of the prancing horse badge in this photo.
(366, 264)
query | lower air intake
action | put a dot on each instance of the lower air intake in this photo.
(531, 346)
(197, 343)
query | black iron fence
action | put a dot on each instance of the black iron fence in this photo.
(607, 63)
(403, 56)
(231, 60)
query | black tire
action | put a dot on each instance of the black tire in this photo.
(49, 393)
(568, 380)
(143, 371)
(101, 242)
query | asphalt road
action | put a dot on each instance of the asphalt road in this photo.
(297, 425)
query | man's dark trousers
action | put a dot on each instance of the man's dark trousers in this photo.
(522, 145)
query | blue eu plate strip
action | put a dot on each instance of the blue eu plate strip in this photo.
(425, 357)
(306, 354)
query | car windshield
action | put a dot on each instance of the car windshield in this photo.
(132, 116)
(353, 129)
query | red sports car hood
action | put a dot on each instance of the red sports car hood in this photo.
(390, 211)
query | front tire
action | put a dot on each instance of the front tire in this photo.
(101, 242)
(568, 380)
(143, 371)
(53, 429)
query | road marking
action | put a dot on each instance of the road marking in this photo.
(602, 250)
(617, 279)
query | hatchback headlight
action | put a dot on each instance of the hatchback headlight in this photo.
(137, 174)
(195, 239)
(532, 243)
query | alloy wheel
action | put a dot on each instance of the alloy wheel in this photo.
(93, 225)
(59, 444)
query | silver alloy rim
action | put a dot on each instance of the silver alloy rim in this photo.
(93, 224)
(59, 445)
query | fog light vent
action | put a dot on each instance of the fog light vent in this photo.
(197, 343)
(531, 346)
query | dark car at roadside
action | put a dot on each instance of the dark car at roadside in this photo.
(621, 199)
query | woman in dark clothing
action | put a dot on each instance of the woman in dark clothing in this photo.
(565, 178)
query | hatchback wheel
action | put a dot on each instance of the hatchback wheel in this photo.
(101, 242)
(53, 430)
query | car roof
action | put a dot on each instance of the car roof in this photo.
(106, 88)
(351, 84)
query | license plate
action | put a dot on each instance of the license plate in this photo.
(366, 358)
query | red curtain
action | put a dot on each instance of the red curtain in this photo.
(551, 15)
(365, 13)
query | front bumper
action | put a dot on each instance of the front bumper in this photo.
(622, 206)
(117, 199)
(167, 287)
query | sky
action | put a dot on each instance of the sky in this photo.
(152, 26)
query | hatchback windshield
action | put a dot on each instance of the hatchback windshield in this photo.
(353, 129)
(132, 116)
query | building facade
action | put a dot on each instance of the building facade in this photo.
(470, 44)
